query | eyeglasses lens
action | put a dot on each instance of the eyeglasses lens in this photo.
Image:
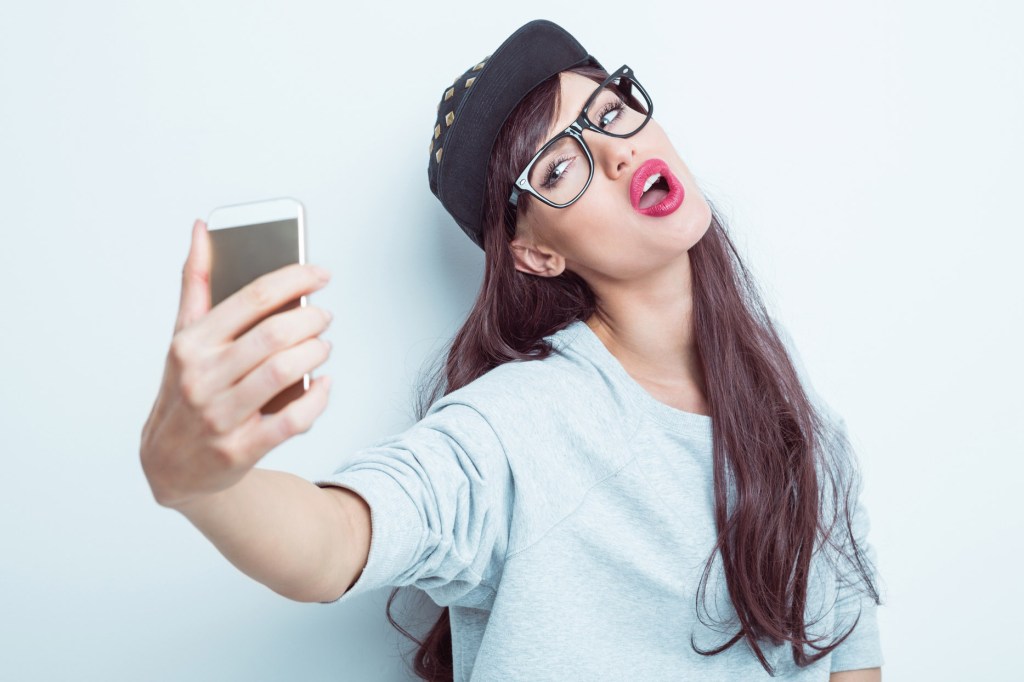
(561, 173)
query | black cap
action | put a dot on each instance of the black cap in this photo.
(474, 107)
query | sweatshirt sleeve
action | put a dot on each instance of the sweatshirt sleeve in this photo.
(863, 647)
(439, 495)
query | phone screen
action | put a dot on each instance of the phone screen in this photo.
(241, 254)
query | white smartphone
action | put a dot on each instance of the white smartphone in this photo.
(249, 240)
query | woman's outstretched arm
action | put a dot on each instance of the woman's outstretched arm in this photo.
(205, 432)
(304, 542)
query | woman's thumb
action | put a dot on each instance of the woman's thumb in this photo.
(195, 278)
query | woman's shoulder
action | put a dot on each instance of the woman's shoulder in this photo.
(549, 391)
(518, 384)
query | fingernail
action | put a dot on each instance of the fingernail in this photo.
(320, 272)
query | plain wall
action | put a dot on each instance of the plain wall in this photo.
(866, 157)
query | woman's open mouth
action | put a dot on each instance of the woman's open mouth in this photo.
(655, 190)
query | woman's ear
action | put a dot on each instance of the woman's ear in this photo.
(534, 259)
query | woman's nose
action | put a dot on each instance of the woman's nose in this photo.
(612, 155)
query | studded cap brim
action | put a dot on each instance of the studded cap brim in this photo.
(473, 109)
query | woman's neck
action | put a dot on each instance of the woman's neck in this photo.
(649, 328)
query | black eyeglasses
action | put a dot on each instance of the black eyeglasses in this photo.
(561, 171)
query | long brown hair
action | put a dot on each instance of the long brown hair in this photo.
(766, 430)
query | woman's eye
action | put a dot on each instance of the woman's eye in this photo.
(556, 170)
(611, 114)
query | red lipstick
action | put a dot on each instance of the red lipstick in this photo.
(672, 200)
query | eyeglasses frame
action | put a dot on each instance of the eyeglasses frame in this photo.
(575, 131)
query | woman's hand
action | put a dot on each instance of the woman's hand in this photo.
(205, 431)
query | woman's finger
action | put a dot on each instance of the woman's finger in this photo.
(272, 335)
(264, 434)
(264, 295)
(195, 279)
(233, 406)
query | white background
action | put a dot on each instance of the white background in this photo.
(868, 160)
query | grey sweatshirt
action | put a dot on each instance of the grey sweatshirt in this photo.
(564, 515)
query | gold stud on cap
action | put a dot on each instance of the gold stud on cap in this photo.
(438, 154)
(448, 94)
(437, 132)
(431, 147)
(449, 117)
(470, 81)
(479, 66)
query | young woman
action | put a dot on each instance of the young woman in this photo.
(621, 471)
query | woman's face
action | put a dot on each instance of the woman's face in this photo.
(602, 236)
